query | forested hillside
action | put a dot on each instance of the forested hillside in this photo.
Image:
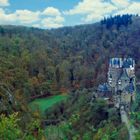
(38, 63)
(66, 57)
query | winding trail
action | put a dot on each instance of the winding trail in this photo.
(130, 128)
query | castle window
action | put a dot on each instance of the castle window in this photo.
(131, 80)
(119, 82)
(110, 81)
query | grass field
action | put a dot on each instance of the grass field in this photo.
(45, 103)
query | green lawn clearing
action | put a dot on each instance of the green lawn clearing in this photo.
(45, 103)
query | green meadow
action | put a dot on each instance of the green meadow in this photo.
(45, 103)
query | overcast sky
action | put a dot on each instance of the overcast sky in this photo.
(58, 13)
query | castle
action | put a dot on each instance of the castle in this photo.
(120, 80)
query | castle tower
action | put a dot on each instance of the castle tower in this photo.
(121, 78)
(115, 70)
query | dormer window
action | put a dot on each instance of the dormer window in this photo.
(119, 82)
(110, 82)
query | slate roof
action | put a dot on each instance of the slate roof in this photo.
(103, 88)
(128, 62)
(130, 88)
(124, 75)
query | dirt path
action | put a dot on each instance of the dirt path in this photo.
(130, 128)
